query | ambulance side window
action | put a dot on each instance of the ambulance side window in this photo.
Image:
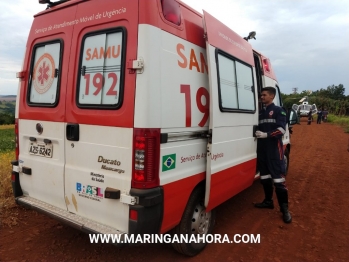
(101, 71)
(236, 88)
(44, 77)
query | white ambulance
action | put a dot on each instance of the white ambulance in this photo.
(136, 117)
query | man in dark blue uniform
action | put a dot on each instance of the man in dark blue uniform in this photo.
(319, 116)
(270, 153)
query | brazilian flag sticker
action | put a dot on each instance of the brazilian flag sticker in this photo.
(283, 113)
(168, 162)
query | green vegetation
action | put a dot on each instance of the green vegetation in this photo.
(341, 121)
(6, 195)
(7, 107)
(6, 119)
(7, 153)
(7, 139)
(7, 112)
(332, 99)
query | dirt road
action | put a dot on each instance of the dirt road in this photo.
(318, 182)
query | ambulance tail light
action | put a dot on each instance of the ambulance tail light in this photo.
(266, 64)
(146, 158)
(171, 11)
(16, 138)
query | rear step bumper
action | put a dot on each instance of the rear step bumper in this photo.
(78, 222)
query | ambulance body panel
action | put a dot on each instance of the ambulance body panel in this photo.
(122, 114)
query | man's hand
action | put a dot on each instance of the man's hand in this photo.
(260, 134)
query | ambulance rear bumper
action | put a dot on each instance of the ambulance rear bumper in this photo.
(78, 222)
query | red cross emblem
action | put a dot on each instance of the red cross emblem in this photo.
(44, 73)
(43, 70)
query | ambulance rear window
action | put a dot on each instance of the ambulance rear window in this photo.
(236, 86)
(44, 77)
(101, 71)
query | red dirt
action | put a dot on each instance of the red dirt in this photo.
(318, 182)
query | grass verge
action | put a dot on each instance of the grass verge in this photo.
(8, 214)
(342, 121)
(7, 138)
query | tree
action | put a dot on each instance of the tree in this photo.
(333, 92)
(332, 99)
(6, 119)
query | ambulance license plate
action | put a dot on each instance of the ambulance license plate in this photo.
(44, 150)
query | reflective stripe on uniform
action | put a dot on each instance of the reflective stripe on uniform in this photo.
(281, 130)
(267, 121)
(265, 176)
(279, 180)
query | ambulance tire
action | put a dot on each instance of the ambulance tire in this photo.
(287, 160)
(194, 220)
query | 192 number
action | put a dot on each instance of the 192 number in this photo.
(203, 108)
(98, 83)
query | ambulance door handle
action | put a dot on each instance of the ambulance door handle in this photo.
(255, 128)
(72, 132)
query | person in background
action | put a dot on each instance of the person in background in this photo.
(319, 116)
(299, 116)
(270, 153)
(310, 117)
(324, 115)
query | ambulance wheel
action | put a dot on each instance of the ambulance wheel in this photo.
(195, 221)
(287, 160)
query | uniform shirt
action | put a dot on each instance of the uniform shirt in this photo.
(272, 120)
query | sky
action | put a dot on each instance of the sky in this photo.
(307, 41)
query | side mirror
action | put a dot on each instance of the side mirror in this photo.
(293, 117)
(295, 107)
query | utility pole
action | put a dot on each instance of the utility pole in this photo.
(295, 89)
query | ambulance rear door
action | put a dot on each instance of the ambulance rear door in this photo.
(42, 108)
(231, 161)
(100, 112)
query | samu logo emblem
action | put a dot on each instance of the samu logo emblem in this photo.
(44, 73)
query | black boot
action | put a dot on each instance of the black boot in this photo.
(268, 192)
(286, 216)
(265, 204)
(282, 196)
